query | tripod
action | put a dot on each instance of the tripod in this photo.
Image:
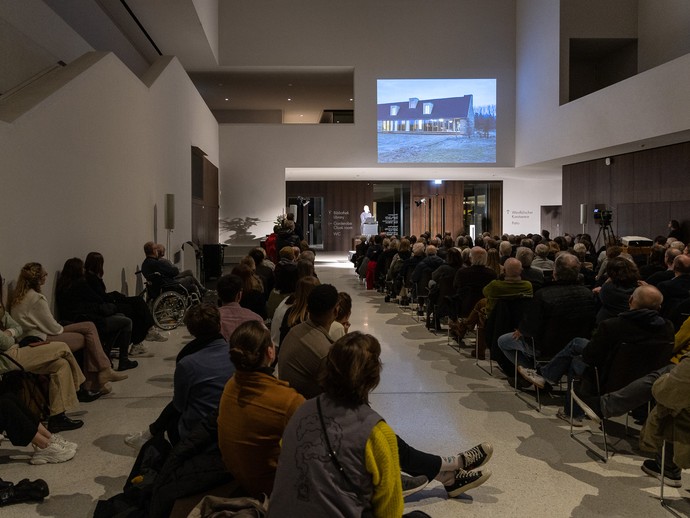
(605, 232)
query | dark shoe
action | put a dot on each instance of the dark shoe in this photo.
(31, 491)
(86, 396)
(62, 423)
(411, 485)
(671, 477)
(481, 356)
(24, 491)
(565, 416)
(476, 457)
(466, 480)
(126, 364)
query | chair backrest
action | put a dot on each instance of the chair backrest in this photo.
(469, 296)
(505, 317)
(560, 329)
(633, 360)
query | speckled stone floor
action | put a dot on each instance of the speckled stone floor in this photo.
(433, 395)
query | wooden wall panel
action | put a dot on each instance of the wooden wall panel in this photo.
(644, 189)
(205, 211)
(430, 216)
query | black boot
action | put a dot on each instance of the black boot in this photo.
(61, 423)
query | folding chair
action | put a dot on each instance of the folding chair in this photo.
(630, 361)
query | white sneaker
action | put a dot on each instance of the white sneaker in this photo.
(531, 376)
(56, 438)
(140, 351)
(137, 440)
(53, 454)
(154, 336)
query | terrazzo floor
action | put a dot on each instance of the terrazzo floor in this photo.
(433, 395)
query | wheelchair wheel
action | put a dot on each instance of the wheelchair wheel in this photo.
(168, 310)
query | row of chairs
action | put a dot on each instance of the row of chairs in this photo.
(630, 361)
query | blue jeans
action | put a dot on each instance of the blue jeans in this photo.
(525, 352)
(568, 360)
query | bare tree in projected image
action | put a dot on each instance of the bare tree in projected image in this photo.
(485, 120)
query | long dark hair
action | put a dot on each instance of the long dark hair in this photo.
(94, 263)
(72, 271)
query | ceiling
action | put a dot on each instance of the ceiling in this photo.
(139, 31)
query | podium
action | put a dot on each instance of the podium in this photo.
(370, 229)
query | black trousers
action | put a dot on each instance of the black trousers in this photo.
(16, 420)
(415, 462)
(136, 309)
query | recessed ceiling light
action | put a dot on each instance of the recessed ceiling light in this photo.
(289, 84)
(301, 115)
(220, 84)
(351, 100)
(227, 99)
(289, 99)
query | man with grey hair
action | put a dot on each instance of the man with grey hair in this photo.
(534, 276)
(542, 262)
(641, 323)
(505, 249)
(428, 264)
(558, 312)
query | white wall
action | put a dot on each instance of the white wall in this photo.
(386, 39)
(651, 104)
(89, 166)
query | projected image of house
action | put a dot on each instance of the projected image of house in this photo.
(453, 115)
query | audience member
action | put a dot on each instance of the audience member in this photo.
(622, 277)
(254, 410)
(252, 290)
(52, 359)
(23, 428)
(229, 290)
(31, 311)
(558, 312)
(640, 323)
(341, 324)
(533, 275)
(77, 302)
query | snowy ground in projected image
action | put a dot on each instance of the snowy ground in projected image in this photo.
(441, 148)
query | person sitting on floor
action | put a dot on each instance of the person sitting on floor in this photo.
(229, 289)
(303, 354)
(202, 368)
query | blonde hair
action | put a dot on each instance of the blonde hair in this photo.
(30, 278)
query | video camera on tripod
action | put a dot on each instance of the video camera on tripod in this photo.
(603, 216)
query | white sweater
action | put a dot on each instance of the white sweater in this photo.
(33, 314)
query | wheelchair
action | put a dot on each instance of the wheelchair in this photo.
(168, 302)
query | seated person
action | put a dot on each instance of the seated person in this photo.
(23, 428)
(365, 444)
(558, 312)
(252, 290)
(641, 323)
(229, 289)
(135, 308)
(162, 274)
(52, 359)
(621, 280)
(77, 302)
(300, 363)
(341, 324)
(254, 410)
(297, 312)
(31, 311)
(669, 418)
(202, 369)
(185, 277)
(263, 270)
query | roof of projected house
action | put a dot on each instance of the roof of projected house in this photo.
(452, 107)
